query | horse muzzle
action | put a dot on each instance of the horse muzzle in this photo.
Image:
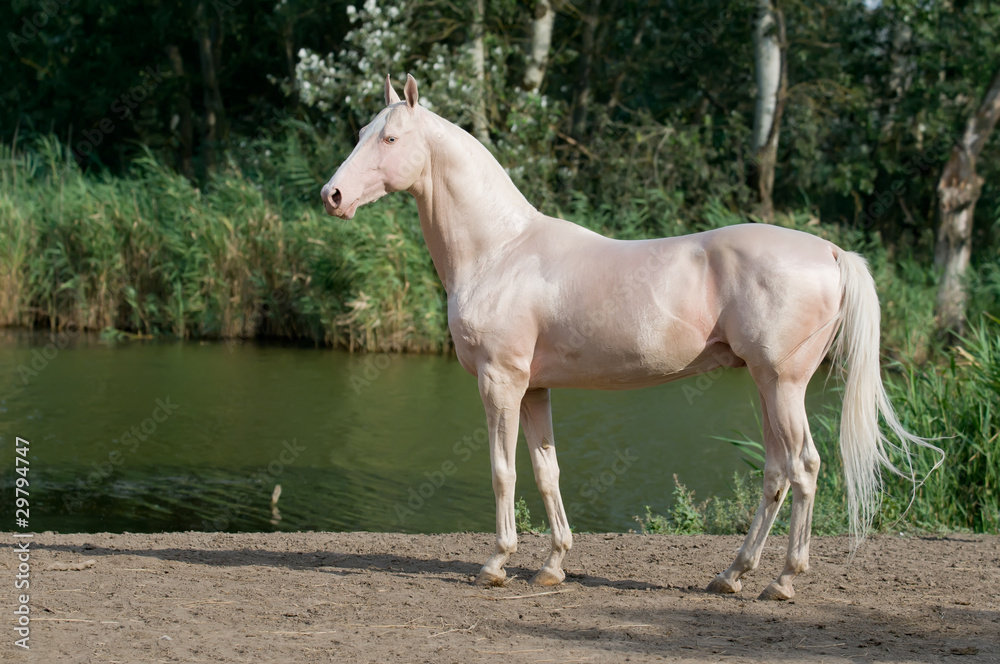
(332, 200)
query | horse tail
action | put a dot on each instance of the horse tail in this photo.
(863, 445)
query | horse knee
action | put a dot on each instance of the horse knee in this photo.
(503, 479)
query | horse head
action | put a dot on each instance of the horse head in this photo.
(390, 155)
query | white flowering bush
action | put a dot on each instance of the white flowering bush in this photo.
(351, 79)
(347, 85)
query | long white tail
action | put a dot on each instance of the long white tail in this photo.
(862, 444)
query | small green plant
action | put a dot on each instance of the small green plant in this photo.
(522, 517)
(685, 518)
(731, 516)
(653, 523)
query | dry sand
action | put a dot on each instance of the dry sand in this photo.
(368, 597)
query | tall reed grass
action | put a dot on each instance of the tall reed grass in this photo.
(151, 253)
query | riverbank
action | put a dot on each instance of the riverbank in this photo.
(367, 597)
(149, 253)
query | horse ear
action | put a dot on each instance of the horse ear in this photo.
(410, 91)
(390, 93)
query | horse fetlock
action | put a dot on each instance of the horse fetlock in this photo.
(746, 561)
(796, 565)
(505, 548)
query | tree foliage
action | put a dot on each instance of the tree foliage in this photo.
(644, 106)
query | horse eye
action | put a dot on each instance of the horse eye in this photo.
(390, 139)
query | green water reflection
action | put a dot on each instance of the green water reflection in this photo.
(158, 436)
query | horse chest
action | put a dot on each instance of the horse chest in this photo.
(485, 328)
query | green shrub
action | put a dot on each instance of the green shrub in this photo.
(685, 517)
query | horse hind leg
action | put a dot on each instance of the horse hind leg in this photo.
(536, 421)
(775, 488)
(803, 470)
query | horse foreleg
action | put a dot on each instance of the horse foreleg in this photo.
(536, 420)
(501, 394)
(775, 488)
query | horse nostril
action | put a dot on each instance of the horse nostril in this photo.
(331, 198)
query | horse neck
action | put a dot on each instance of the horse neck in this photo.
(468, 206)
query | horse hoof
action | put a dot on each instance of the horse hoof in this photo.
(723, 586)
(776, 592)
(547, 577)
(487, 579)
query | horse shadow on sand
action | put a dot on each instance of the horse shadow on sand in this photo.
(339, 563)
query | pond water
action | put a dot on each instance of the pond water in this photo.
(148, 436)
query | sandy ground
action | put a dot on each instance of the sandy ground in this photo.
(365, 597)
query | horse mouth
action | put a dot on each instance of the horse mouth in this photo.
(346, 212)
(342, 211)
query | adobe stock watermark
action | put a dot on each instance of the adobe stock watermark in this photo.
(129, 442)
(622, 297)
(32, 23)
(41, 357)
(256, 484)
(600, 483)
(418, 496)
(695, 387)
(22, 542)
(121, 108)
(371, 369)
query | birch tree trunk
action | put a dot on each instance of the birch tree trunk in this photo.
(480, 126)
(770, 74)
(958, 191)
(541, 43)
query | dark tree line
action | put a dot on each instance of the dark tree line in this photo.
(877, 115)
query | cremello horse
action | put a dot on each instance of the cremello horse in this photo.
(536, 302)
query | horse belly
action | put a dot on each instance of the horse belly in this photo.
(604, 360)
